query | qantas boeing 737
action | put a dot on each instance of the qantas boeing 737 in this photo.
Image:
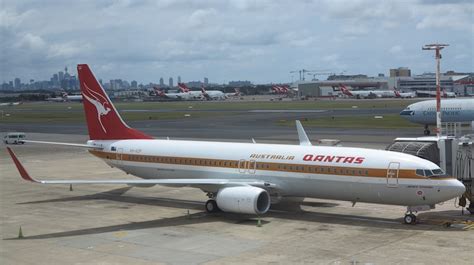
(248, 178)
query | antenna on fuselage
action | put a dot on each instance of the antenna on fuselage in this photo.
(304, 140)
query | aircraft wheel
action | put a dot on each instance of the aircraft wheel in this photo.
(410, 219)
(211, 206)
(427, 132)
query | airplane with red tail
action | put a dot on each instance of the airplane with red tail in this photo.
(249, 178)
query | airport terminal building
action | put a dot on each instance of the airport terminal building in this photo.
(461, 84)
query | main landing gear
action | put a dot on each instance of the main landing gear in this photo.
(211, 206)
(409, 218)
(427, 130)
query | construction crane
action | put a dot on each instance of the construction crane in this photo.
(303, 72)
(314, 74)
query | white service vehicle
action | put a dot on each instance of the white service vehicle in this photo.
(14, 138)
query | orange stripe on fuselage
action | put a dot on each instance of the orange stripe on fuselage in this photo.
(259, 165)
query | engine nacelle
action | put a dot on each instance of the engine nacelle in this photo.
(249, 200)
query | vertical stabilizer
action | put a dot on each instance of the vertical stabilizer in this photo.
(103, 120)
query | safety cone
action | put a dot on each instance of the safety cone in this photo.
(20, 233)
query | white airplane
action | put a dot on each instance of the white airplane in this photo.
(367, 93)
(213, 94)
(194, 94)
(399, 94)
(174, 96)
(248, 178)
(65, 98)
(235, 94)
(452, 110)
(444, 93)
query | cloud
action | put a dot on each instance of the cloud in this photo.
(199, 17)
(257, 40)
(31, 41)
(396, 49)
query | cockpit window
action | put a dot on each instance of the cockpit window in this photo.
(428, 173)
(433, 173)
(438, 173)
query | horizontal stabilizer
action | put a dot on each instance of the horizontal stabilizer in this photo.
(64, 144)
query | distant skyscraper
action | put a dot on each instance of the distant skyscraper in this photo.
(179, 79)
(55, 80)
(171, 82)
(162, 82)
(17, 83)
(61, 76)
(134, 84)
(206, 81)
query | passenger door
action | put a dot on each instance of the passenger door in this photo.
(247, 167)
(392, 174)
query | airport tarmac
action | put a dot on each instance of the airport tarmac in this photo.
(100, 224)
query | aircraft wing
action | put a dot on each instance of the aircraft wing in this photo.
(199, 183)
(64, 144)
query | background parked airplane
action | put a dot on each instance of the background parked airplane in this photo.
(235, 94)
(213, 94)
(399, 94)
(444, 93)
(194, 94)
(367, 93)
(452, 110)
(281, 89)
(68, 97)
(173, 96)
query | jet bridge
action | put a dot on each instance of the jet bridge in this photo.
(455, 155)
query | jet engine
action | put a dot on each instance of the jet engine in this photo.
(249, 200)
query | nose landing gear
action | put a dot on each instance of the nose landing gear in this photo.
(427, 130)
(409, 218)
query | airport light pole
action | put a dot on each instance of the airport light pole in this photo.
(437, 47)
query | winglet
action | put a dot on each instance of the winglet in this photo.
(304, 140)
(24, 174)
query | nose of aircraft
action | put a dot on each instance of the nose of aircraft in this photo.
(457, 188)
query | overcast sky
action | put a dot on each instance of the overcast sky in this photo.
(260, 41)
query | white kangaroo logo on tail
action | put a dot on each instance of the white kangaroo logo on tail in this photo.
(99, 105)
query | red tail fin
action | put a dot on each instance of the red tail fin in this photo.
(345, 91)
(103, 120)
(183, 87)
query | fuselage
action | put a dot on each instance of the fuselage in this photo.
(452, 110)
(351, 174)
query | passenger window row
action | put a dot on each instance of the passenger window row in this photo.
(259, 165)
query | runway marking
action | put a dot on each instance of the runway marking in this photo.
(287, 111)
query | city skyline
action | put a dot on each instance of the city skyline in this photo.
(260, 41)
